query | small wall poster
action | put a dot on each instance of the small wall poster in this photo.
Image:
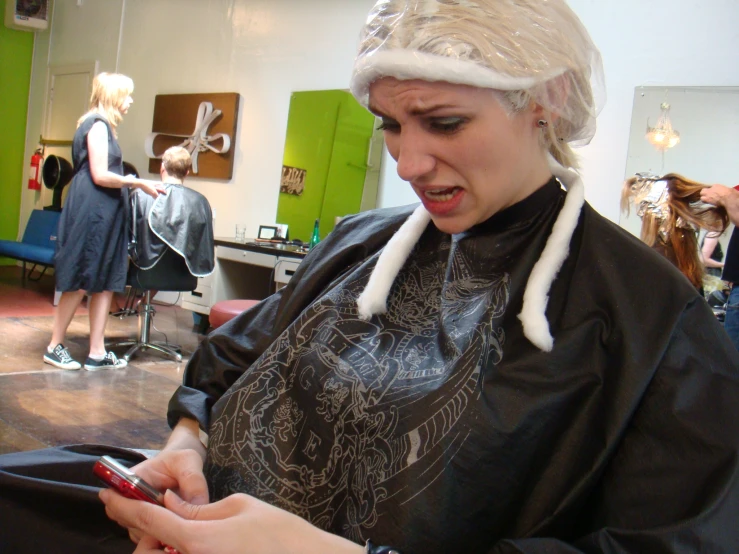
(293, 180)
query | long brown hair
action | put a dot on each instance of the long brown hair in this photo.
(672, 216)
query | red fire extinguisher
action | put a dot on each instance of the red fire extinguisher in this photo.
(34, 177)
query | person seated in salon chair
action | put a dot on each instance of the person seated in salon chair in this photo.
(181, 219)
(497, 370)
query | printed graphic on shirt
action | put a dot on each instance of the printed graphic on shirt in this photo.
(339, 414)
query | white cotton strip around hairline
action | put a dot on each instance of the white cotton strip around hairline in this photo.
(536, 296)
(373, 299)
(406, 65)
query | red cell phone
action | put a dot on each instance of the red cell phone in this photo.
(128, 484)
(125, 481)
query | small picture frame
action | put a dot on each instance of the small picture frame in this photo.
(282, 232)
(267, 232)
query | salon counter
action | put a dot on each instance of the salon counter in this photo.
(247, 269)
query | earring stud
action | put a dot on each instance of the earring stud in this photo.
(543, 123)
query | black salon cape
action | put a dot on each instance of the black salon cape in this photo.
(180, 219)
(438, 427)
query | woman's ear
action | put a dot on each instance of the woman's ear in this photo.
(558, 91)
(540, 114)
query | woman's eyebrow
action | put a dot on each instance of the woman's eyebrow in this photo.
(414, 111)
(430, 109)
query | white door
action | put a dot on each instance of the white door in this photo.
(68, 97)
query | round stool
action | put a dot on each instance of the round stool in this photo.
(226, 310)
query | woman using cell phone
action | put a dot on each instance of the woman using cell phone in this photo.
(497, 370)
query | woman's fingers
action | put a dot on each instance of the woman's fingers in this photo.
(192, 486)
(148, 545)
(223, 509)
(149, 519)
(135, 535)
(180, 470)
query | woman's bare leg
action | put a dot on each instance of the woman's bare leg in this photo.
(99, 308)
(68, 304)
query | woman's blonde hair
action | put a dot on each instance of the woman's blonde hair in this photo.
(109, 91)
(531, 51)
(177, 162)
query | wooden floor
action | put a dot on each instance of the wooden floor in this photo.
(43, 406)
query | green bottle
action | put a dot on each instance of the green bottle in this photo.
(316, 238)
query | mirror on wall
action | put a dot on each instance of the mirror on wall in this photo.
(707, 119)
(331, 163)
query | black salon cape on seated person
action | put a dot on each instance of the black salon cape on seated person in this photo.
(181, 219)
(439, 427)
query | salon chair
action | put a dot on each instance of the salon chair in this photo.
(169, 274)
(171, 246)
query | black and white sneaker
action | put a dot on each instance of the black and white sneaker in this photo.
(110, 361)
(59, 357)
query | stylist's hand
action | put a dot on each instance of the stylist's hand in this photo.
(151, 188)
(178, 470)
(236, 525)
(716, 195)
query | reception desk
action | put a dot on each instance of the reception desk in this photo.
(249, 269)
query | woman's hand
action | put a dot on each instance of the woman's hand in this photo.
(178, 470)
(152, 188)
(716, 195)
(236, 525)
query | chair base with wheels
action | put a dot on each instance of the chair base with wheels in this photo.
(169, 274)
(146, 313)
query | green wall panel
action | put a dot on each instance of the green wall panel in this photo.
(16, 55)
(308, 145)
(328, 135)
(345, 181)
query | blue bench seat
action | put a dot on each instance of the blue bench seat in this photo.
(39, 241)
(27, 252)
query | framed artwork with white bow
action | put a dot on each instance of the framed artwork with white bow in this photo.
(204, 124)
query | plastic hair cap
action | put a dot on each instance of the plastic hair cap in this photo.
(533, 51)
(535, 46)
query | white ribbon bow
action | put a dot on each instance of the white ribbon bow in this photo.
(199, 140)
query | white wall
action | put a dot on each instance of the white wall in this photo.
(265, 49)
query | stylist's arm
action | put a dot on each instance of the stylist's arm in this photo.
(238, 524)
(97, 146)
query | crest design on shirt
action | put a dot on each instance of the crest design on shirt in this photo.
(339, 414)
